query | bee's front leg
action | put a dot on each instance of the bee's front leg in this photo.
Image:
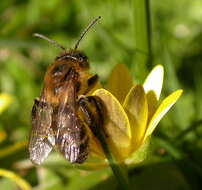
(91, 83)
(91, 109)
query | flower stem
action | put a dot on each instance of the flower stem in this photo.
(119, 171)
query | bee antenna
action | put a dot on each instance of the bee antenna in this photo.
(85, 31)
(49, 40)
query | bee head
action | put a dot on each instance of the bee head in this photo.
(75, 56)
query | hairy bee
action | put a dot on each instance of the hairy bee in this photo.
(55, 119)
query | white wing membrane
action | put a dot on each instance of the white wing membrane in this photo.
(42, 137)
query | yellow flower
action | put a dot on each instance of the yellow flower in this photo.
(5, 100)
(133, 112)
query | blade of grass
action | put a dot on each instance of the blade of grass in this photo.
(13, 148)
(142, 34)
(189, 129)
(24, 185)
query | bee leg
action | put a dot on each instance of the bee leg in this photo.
(91, 82)
(92, 112)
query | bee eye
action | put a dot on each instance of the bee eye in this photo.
(80, 56)
(81, 59)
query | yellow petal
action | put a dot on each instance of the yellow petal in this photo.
(5, 100)
(136, 108)
(120, 82)
(166, 104)
(152, 103)
(154, 81)
(117, 125)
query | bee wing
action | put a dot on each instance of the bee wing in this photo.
(71, 137)
(42, 137)
(72, 141)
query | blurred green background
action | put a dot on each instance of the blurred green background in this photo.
(175, 159)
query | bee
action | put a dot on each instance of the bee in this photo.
(55, 114)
